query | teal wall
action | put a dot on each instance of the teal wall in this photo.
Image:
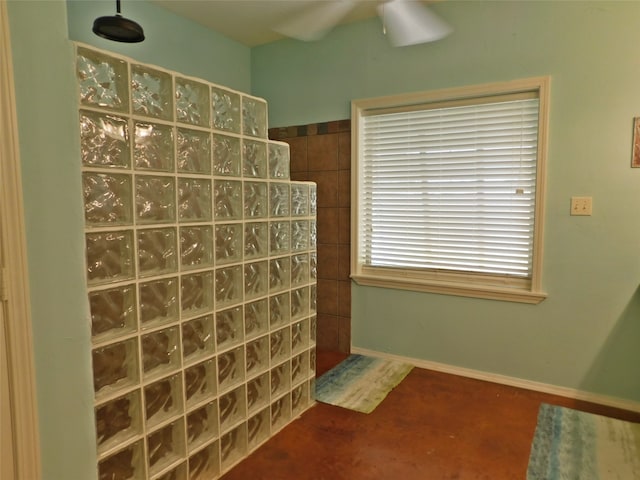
(47, 104)
(49, 150)
(172, 42)
(586, 334)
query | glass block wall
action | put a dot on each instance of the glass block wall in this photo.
(201, 271)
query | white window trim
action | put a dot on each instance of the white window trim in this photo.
(461, 284)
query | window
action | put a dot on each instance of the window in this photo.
(449, 190)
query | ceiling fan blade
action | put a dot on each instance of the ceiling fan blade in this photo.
(409, 22)
(316, 20)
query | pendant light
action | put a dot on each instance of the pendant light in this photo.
(118, 28)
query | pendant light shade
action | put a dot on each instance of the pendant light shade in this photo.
(118, 28)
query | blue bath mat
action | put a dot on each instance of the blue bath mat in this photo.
(360, 382)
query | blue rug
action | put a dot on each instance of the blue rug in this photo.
(360, 383)
(573, 445)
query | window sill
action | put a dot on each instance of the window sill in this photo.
(504, 294)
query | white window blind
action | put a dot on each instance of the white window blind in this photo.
(450, 187)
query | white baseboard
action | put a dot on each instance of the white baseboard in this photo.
(506, 380)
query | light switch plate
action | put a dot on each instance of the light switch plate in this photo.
(581, 206)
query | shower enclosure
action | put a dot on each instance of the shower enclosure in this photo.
(201, 271)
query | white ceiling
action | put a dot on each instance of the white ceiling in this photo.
(250, 22)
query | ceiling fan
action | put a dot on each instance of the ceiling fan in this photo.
(406, 22)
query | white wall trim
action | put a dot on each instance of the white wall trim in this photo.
(15, 295)
(507, 380)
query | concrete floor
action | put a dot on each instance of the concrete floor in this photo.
(432, 426)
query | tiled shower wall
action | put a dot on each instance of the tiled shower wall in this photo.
(201, 271)
(321, 152)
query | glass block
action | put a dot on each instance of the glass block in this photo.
(258, 391)
(279, 310)
(157, 251)
(312, 329)
(233, 408)
(194, 151)
(118, 421)
(313, 266)
(279, 199)
(255, 199)
(229, 329)
(254, 117)
(254, 159)
(233, 446)
(299, 235)
(312, 362)
(109, 256)
(104, 140)
(196, 246)
(231, 368)
(280, 379)
(299, 199)
(196, 293)
(255, 280)
(280, 345)
(192, 102)
(313, 234)
(204, 464)
(280, 412)
(256, 240)
(153, 147)
(226, 155)
(113, 312)
(126, 464)
(228, 286)
(151, 92)
(165, 446)
(313, 298)
(178, 473)
(226, 110)
(279, 274)
(200, 382)
(202, 425)
(158, 302)
(299, 399)
(103, 80)
(299, 336)
(228, 199)
(155, 199)
(257, 355)
(300, 367)
(278, 160)
(160, 352)
(279, 237)
(107, 199)
(258, 429)
(256, 318)
(313, 199)
(194, 200)
(228, 243)
(115, 367)
(299, 303)
(197, 338)
(163, 400)
(299, 269)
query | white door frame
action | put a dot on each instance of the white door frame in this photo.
(20, 457)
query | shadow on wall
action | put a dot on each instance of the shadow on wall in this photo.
(616, 369)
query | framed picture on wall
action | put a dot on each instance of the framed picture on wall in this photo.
(635, 158)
